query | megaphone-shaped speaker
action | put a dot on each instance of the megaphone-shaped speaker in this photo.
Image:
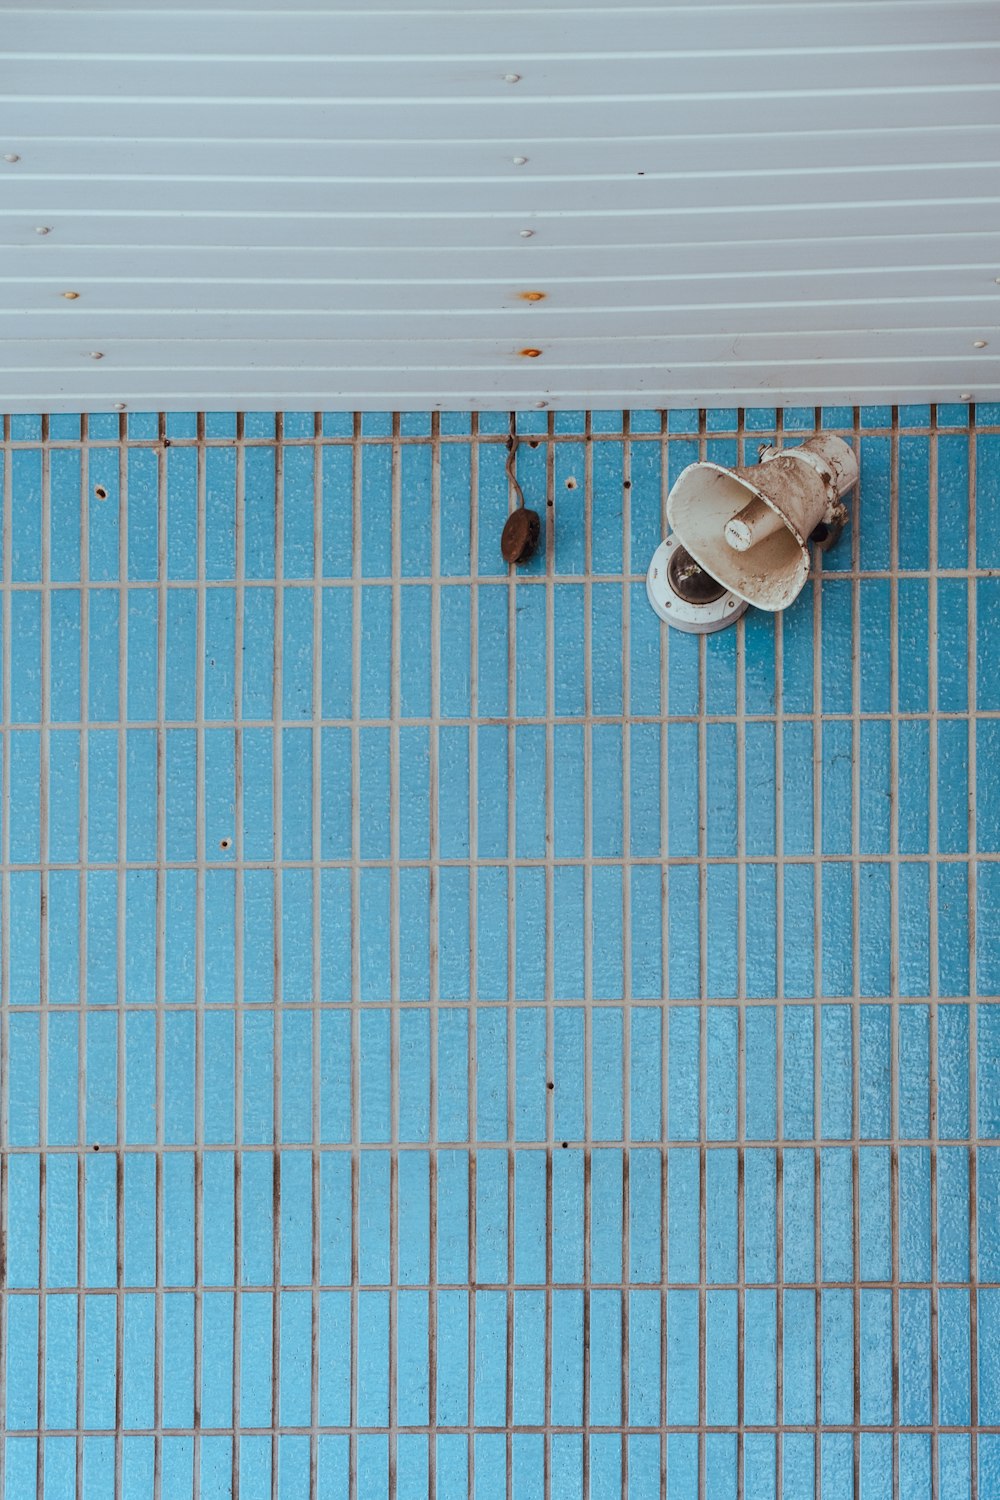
(750, 528)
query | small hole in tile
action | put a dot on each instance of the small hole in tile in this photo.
(571, 483)
(565, 1144)
(551, 1085)
(96, 1147)
(628, 484)
(100, 492)
(225, 843)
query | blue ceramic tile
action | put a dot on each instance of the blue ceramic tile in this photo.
(953, 935)
(682, 1357)
(955, 1465)
(721, 1215)
(874, 1213)
(953, 500)
(837, 1346)
(798, 1215)
(798, 1038)
(837, 1248)
(722, 1092)
(576, 910)
(722, 898)
(683, 1210)
(914, 500)
(646, 1084)
(721, 1357)
(799, 1361)
(646, 526)
(760, 1344)
(760, 1214)
(875, 1375)
(837, 1465)
(954, 1356)
(836, 637)
(645, 1216)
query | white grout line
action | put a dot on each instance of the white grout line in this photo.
(434, 849)
(356, 526)
(201, 937)
(894, 910)
(369, 440)
(238, 1010)
(549, 520)
(972, 660)
(664, 832)
(904, 716)
(317, 949)
(818, 846)
(5, 674)
(120, 971)
(381, 1146)
(588, 957)
(742, 920)
(702, 644)
(278, 939)
(394, 954)
(43, 1057)
(83, 950)
(161, 948)
(933, 939)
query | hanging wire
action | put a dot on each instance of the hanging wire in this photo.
(513, 443)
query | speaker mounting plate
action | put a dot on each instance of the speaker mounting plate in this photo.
(687, 597)
(827, 533)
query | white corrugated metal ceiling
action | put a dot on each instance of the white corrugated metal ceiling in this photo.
(323, 206)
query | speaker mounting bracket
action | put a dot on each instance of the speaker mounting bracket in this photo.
(687, 597)
(827, 533)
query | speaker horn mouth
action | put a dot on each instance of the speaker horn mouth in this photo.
(712, 509)
(749, 527)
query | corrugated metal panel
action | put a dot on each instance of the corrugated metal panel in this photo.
(345, 207)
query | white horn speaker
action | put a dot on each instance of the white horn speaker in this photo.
(750, 527)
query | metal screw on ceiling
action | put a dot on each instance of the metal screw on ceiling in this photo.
(526, 233)
(11, 156)
(979, 343)
(519, 161)
(96, 354)
(71, 296)
(512, 78)
(42, 229)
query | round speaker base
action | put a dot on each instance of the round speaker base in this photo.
(687, 597)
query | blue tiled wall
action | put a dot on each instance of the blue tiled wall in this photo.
(459, 1039)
